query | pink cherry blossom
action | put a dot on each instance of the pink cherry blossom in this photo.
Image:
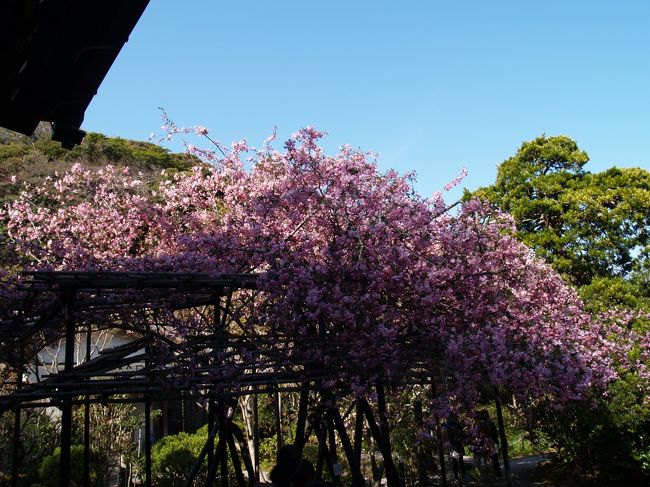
(371, 280)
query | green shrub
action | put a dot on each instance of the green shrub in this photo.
(172, 457)
(37, 440)
(142, 155)
(14, 150)
(50, 468)
(607, 436)
(51, 149)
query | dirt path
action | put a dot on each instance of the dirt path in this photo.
(520, 470)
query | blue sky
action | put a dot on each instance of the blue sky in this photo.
(431, 85)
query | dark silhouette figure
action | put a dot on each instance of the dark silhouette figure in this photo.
(488, 429)
(291, 470)
(456, 438)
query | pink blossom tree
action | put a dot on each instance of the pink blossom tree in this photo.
(370, 278)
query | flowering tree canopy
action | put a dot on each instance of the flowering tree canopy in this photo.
(352, 262)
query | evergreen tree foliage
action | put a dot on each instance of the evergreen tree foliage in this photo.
(593, 228)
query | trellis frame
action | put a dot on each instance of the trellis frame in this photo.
(73, 297)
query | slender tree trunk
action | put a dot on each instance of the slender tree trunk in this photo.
(247, 408)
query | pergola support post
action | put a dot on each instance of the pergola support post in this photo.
(66, 407)
(385, 433)
(212, 471)
(147, 414)
(421, 463)
(147, 441)
(441, 448)
(238, 435)
(333, 465)
(241, 482)
(322, 446)
(503, 440)
(278, 419)
(206, 450)
(15, 449)
(223, 432)
(87, 417)
(350, 453)
(212, 431)
(391, 472)
(303, 403)
(358, 433)
(256, 439)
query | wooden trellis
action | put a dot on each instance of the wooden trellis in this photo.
(226, 358)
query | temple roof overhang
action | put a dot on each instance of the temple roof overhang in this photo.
(54, 56)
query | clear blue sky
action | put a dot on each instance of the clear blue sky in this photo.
(431, 85)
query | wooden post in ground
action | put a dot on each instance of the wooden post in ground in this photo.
(239, 475)
(391, 472)
(421, 462)
(15, 451)
(223, 433)
(335, 466)
(256, 438)
(147, 412)
(212, 406)
(384, 427)
(238, 435)
(278, 419)
(319, 429)
(212, 471)
(303, 404)
(87, 416)
(350, 453)
(441, 447)
(503, 440)
(66, 407)
(209, 445)
(358, 433)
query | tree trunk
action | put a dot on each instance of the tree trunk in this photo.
(247, 408)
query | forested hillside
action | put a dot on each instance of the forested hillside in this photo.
(32, 159)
